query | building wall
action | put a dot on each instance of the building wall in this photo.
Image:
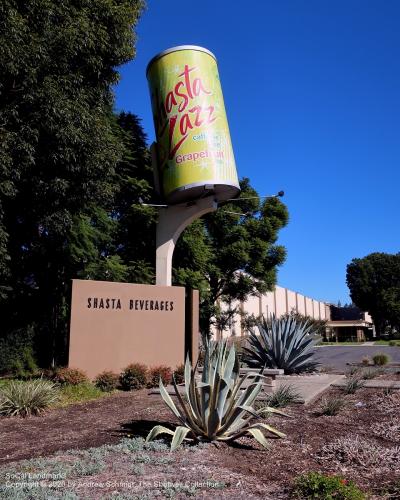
(278, 302)
(252, 306)
(267, 304)
(327, 312)
(281, 306)
(308, 307)
(301, 304)
(291, 300)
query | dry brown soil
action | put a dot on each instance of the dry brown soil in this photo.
(245, 469)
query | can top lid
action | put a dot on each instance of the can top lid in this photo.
(177, 49)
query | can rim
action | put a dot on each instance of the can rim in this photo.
(234, 190)
(177, 49)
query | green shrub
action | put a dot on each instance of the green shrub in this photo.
(331, 406)
(157, 372)
(352, 385)
(179, 374)
(284, 395)
(133, 377)
(69, 376)
(107, 381)
(314, 485)
(392, 343)
(27, 398)
(380, 359)
(17, 354)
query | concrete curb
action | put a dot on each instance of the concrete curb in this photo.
(373, 384)
(310, 387)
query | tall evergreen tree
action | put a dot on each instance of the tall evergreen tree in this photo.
(232, 253)
(116, 242)
(374, 284)
(58, 148)
(135, 239)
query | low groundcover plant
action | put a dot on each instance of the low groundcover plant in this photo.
(331, 406)
(320, 486)
(352, 385)
(283, 396)
(215, 408)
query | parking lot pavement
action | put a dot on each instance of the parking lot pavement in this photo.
(338, 357)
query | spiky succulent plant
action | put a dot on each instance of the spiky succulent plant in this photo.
(217, 408)
(283, 343)
(27, 398)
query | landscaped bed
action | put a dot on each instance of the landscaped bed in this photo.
(361, 443)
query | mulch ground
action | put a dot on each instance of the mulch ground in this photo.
(390, 376)
(247, 470)
(79, 426)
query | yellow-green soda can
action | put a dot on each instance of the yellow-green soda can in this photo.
(194, 149)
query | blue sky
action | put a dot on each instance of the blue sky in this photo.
(312, 92)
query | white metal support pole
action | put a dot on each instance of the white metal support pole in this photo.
(171, 222)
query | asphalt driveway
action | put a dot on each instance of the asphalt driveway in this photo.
(338, 357)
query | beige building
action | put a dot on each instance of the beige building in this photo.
(343, 323)
(349, 323)
(278, 302)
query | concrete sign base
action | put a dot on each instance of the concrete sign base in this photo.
(114, 324)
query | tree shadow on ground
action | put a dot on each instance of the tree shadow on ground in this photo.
(240, 446)
(140, 428)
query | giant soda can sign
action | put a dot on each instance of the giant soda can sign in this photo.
(194, 149)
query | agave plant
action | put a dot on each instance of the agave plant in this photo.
(216, 408)
(283, 343)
